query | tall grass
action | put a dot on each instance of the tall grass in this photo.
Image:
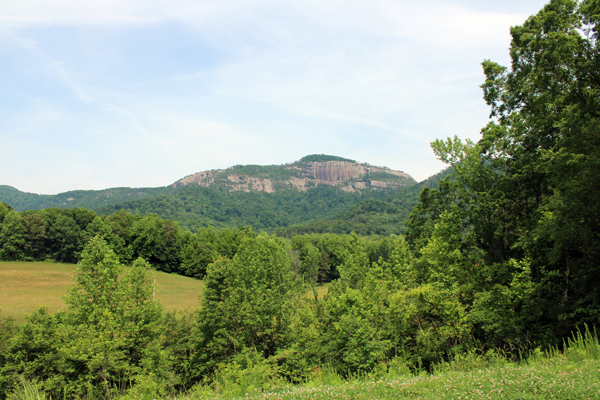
(582, 346)
(27, 391)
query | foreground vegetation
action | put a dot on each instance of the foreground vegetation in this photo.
(571, 374)
(540, 376)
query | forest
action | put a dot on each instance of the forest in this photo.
(500, 258)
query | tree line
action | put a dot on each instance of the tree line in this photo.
(60, 235)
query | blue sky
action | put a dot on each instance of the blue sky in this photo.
(97, 94)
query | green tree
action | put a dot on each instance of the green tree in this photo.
(548, 140)
(141, 328)
(35, 235)
(121, 224)
(195, 256)
(34, 352)
(95, 318)
(227, 241)
(4, 210)
(64, 239)
(355, 267)
(112, 323)
(310, 258)
(157, 241)
(247, 303)
(520, 219)
(12, 240)
(98, 227)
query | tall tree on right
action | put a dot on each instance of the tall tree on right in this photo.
(528, 189)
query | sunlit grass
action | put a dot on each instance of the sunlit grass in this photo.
(556, 378)
(26, 286)
(321, 289)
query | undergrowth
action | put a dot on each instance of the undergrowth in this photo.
(571, 373)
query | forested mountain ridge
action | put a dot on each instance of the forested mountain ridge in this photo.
(308, 172)
(267, 198)
(90, 199)
(372, 216)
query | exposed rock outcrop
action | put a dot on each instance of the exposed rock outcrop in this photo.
(349, 176)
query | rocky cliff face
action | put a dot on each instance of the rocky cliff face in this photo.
(334, 171)
(349, 176)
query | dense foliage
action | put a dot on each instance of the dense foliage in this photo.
(194, 207)
(90, 199)
(60, 235)
(386, 216)
(500, 258)
(519, 227)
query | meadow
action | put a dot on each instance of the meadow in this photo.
(27, 286)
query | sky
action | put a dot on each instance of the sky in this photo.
(140, 93)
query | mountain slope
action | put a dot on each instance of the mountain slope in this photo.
(371, 217)
(90, 199)
(194, 206)
(269, 198)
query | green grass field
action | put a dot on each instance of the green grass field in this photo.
(26, 286)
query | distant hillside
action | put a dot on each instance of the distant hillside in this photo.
(194, 206)
(90, 199)
(267, 198)
(371, 217)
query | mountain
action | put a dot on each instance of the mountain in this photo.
(308, 172)
(271, 198)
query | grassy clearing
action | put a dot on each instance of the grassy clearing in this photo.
(321, 289)
(26, 286)
(558, 379)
